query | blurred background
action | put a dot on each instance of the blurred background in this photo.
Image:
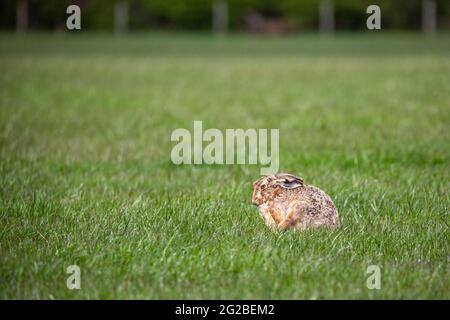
(221, 16)
(86, 118)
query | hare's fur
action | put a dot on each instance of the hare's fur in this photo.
(284, 201)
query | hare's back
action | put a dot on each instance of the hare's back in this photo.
(319, 206)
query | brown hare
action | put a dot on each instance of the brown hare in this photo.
(284, 202)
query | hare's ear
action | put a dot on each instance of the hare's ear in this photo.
(288, 181)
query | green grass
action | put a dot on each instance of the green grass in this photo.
(86, 176)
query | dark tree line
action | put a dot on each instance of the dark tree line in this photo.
(229, 14)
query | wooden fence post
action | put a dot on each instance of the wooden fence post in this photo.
(326, 16)
(429, 16)
(121, 16)
(220, 16)
(22, 16)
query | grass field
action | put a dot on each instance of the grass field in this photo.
(86, 176)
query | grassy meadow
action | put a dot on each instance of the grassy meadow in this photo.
(86, 176)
